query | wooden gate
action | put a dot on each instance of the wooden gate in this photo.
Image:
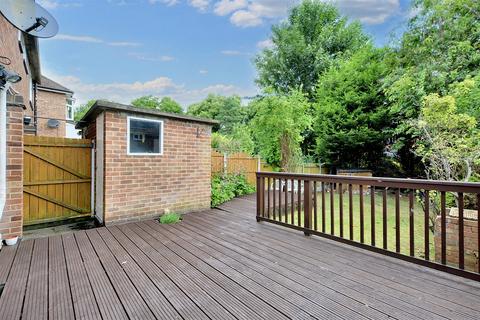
(56, 179)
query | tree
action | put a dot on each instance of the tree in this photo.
(307, 44)
(278, 125)
(227, 110)
(165, 104)
(83, 109)
(441, 46)
(239, 141)
(448, 144)
(351, 119)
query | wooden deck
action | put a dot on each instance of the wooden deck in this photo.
(219, 264)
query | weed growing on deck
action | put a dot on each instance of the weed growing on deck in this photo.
(170, 218)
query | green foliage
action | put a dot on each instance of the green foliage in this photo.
(227, 187)
(227, 110)
(449, 141)
(240, 140)
(440, 47)
(277, 127)
(165, 104)
(170, 218)
(82, 110)
(306, 45)
(351, 120)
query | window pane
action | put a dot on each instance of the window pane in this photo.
(144, 136)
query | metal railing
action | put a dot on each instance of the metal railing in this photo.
(403, 218)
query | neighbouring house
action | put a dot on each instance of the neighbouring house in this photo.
(147, 162)
(18, 55)
(52, 112)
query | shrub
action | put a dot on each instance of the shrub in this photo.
(227, 187)
(170, 218)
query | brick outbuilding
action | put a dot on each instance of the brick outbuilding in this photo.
(147, 162)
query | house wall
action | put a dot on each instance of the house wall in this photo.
(138, 187)
(11, 221)
(470, 239)
(10, 48)
(51, 105)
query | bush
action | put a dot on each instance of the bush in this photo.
(227, 187)
(170, 218)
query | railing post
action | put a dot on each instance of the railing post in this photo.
(307, 206)
(259, 195)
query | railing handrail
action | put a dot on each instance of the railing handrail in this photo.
(402, 183)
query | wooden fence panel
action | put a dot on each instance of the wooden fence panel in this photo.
(243, 163)
(57, 179)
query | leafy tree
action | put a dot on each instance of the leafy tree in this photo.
(82, 109)
(307, 44)
(440, 47)
(239, 141)
(467, 96)
(278, 125)
(352, 120)
(449, 145)
(227, 110)
(449, 141)
(165, 104)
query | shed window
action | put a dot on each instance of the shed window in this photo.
(145, 136)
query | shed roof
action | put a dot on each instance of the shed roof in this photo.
(49, 84)
(101, 105)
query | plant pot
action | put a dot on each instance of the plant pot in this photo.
(11, 241)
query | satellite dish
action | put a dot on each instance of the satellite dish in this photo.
(29, 17)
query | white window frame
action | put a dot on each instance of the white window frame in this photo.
(128, 137)
(70, 105)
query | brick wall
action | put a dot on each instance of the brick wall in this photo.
(11, 222)
(138, 187)
(471, 242)
(9, 47)
(51, 105)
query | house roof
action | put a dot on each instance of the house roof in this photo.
(101, 105)
(49, 84)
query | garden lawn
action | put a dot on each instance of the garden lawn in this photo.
(404, 221)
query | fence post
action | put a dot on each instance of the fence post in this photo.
(259, 164)
(225, 163)
(307, 206)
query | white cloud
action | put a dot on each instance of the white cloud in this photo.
(143, 57)
(68, 37)
(231, 52)
(52, 4)
(123, 44)
(203, 71)
(90, 39)
(167, 2)
(126, 92)
(254, 12)
(265, 44)
(369, 11)
(201, 5)
(244, 18)
(225, 7)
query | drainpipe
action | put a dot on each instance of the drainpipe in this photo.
(3, 147)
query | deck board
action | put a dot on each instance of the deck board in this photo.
(36, 303)
(60, 303)
(220, 264)
(339, 272)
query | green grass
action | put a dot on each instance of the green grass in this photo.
(404, 221)
(170, 218)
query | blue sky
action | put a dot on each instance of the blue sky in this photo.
(122, 49)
